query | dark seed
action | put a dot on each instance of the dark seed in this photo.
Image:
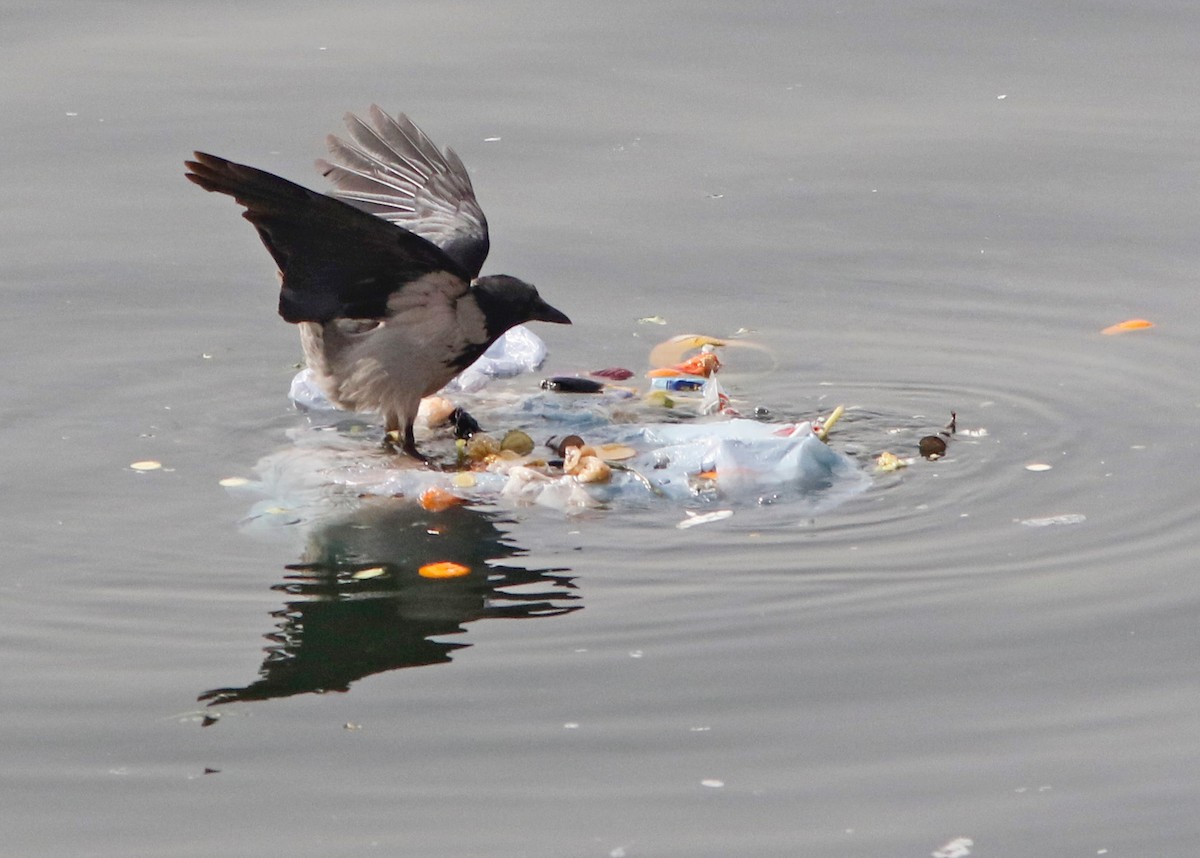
(464, 424)
(571, 384)
(932, 446)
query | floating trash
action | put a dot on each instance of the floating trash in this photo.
(443, 569)
(1128, 325)
(147, 465)
(569, 453)
(613, 373)
(822, 427)
(695, 519)
(517, 441)
(1037, 467)
(437, 499)
(572, 384)
(887, 462)
(368, 574)
(233, 482)
(1051, 520)
(615, 452)
(959, 847)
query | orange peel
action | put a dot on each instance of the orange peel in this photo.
(1128, 325)
(443, 569)
(436, 499)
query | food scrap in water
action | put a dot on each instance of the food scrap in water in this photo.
(517, 441)
(887, 462)
(1128, 325)
(437, 499)
(695, 519)
(464, 424)
(702, 365)
(571, 384)
(367, 574)
(613, 373)
(934, 446)
(443, 569)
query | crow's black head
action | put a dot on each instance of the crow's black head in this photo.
(507, 301)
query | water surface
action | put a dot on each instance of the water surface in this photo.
(917, 209)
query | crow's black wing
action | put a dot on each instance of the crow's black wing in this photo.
(391, 169)
(336, 261)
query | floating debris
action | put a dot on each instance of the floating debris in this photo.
(712, 783)
(481, 446)
(613, 373)
(822, 427)
(702, 365)
(233, 482)
(1038, 466)
(561, 445)
(615, 452)
(147, 465)
(695, 519)
(1128, 325)
(934, 446)
(571, 384)
(959, 847)
(438, 499)
(887, 462)
(584, 465)
(443, 569)
(517, 441)
(652, 320)
(1051, 520)
(464, 424)
(367, 574)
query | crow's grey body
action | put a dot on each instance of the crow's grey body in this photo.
(383, 282)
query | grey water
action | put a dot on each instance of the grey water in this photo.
(915, 208)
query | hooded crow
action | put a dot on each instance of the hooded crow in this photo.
(383, 281)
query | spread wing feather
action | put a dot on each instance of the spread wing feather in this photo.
(390, 168)
(336, 260)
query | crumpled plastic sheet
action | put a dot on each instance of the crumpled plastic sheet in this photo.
(327, 470)
(331, 465)
(518, 350)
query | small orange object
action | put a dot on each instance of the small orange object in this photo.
(1128, 325)
(703, 364)
(707, 475)
(436, 499)
(443, 569)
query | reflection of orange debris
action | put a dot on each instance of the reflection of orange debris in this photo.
(436, 499)
(1128, 325)
(443, 569)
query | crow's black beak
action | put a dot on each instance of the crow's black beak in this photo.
(543, 312)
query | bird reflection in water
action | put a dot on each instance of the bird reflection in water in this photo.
(358, 603)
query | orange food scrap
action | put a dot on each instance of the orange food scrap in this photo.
(436, 499)
(1128, 325)
(443, 569)
(703, 365)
